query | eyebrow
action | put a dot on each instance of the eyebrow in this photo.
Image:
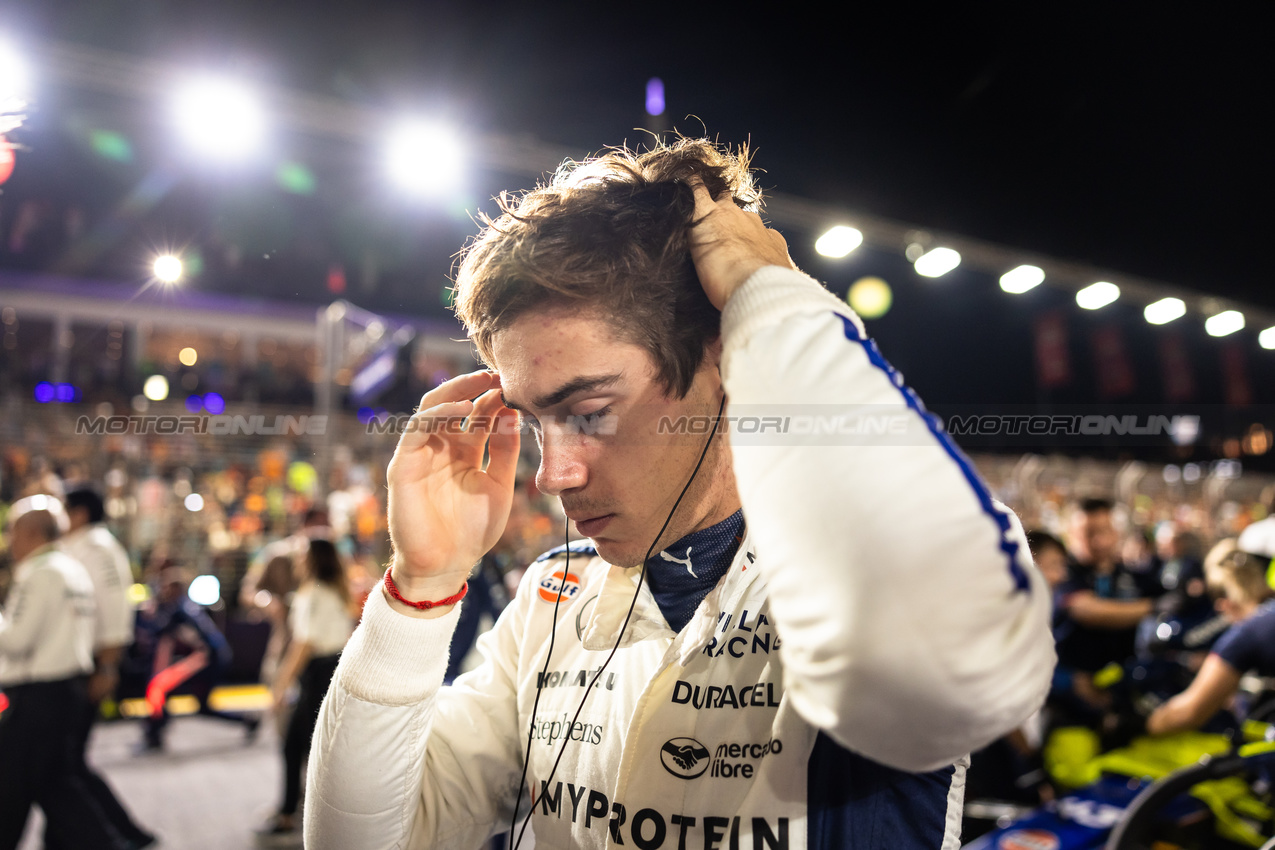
(564, 392)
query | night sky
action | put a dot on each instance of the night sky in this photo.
(1128, 139)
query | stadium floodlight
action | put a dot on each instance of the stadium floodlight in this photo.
(1164, 311)
(220, 118)
(1224, 323)
(839, 241)
(1266, 339)
(1097, 295)
(14, 80)
(167, 268)
(1022, 279)
(937, 262)
(425, 159)
(155, 388)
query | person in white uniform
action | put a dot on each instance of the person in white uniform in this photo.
(91, 543)
(774, 638)
(46, 656)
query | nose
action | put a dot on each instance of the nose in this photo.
(562, 465)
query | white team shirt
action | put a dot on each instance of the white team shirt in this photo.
(46, 629)
(111, 573)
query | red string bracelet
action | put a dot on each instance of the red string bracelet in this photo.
(426, 605)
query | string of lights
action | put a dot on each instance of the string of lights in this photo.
(228, 119)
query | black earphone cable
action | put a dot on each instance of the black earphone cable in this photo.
(619, 639)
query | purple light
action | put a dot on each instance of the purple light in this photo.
(194, 403)
(44, 392)
(366, 414)
(655, 96)
(66, 392)
(214, 403)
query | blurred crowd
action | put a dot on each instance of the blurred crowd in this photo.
(1163, 621)
(246, 562)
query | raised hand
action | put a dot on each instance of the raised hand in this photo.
(728, 244)
(445, 509)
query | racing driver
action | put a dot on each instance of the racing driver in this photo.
(776, 634)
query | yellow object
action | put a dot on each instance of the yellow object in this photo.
(1108, 676)
(240, 698)
(1068, 754)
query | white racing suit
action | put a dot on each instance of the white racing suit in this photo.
(881, 619)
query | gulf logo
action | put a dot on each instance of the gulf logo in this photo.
(1028, 839)
(570, 584)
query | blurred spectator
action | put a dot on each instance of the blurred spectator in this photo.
(272, 579)
(1072, 697)
(92, 545)
(321, 624)
(1238, 580)
(46, 652)
(1103, 598)
(188, 652)
(1181, 573)
(1259, 538)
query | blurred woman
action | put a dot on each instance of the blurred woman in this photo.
(1238, 580)
(321, 624)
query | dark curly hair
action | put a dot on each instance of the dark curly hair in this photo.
(608, 234)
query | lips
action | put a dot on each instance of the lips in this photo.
(593, 526)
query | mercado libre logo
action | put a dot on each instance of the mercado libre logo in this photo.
(568, 582)
(685, 758)
(1028, 839)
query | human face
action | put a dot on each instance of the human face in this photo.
(620, 482)
(1094, 538)
(1053, 565)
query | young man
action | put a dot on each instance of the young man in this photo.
(1238, 580)
(1103, 598)
(824, 629)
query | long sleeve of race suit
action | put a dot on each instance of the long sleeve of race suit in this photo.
(915, 626)
(372, 745)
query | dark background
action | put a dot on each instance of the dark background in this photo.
(1129, 139)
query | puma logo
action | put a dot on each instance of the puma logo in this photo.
(685, 561)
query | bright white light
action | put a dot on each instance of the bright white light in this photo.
(937, 262)
(155, 388)
(204, 590)
(839, 241)
(1266, 339)
(1097, 295)
(188, 356)
(167, 269)
(1020, 280)
(14, 80)
(425, 159)
(220, 118)
(1226, 322)
(1164, 311)
(194, 503)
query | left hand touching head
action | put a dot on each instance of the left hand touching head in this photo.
(728, 244)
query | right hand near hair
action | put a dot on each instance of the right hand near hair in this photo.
(445, 510)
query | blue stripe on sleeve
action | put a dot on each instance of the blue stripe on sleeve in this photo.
(855, 803)
(1008, 545)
